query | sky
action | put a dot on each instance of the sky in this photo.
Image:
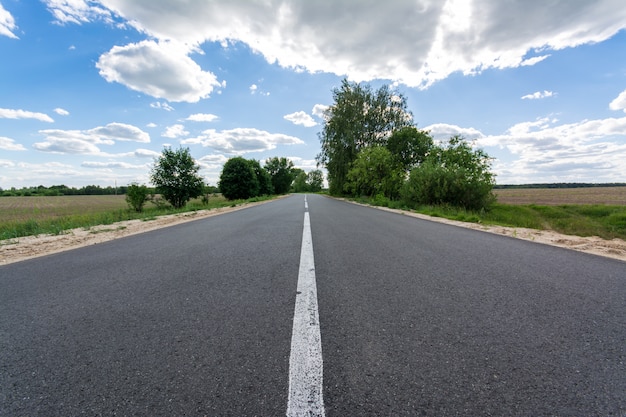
(91, 91)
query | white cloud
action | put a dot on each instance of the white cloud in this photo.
(538, 95)
(175, 131)
(146, 153)
(202, 117)
(619, 103)
(588, 151)
(23, 114)
(120, 132)
(7, 23)
(151, 125)
(161, 105)
(158, 69)
(61, 112)
(86, 141)
(443, 132)
(9, 144)
(253, 88)
(430, 39)
(319, 109)
(76, 11)
(111, 165)
(213, 162)
(242, 140)
(300, 118)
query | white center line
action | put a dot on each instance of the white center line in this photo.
(305, 361)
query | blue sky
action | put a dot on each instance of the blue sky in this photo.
(91, 91)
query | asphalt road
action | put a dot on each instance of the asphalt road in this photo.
(416, 318)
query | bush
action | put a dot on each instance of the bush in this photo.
(238, 180)
(455, 175)
(136, 196)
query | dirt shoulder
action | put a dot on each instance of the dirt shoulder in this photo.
(20, 249)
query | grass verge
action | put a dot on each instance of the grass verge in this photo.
(58, 225)
(605, 221)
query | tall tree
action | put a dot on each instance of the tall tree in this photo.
(281, 171)
(263, 177)
(359, 118)
(315, 180)
(175, 175)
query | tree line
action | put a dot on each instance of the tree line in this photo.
(371, 147)
(59, 190)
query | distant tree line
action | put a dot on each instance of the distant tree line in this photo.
(59, 190)
(560, 185)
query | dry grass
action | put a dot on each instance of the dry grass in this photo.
(19, 209)
(562, 196)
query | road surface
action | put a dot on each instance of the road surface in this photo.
(414, 317)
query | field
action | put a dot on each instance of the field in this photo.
(27, 216)
(560, 196)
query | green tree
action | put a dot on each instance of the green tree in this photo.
(238, 179)
(315, 180)
(374, 172)
(263, 177)
(409, 146)
(359, 118)
(136, 196)
(454, 174)
(281, 171)
(175, 175)
(300, 184)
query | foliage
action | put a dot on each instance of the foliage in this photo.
(263, 177)
(136, 196)
(359, 118)
(281, 171)
(175, 175)
(59, 190)
(374, 172)
(315, 180)
(454, 175)
(409, 146)
(238, 179)
(300, 184)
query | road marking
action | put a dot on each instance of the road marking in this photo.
(305, 361)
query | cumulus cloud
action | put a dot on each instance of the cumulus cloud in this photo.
(538, 95)
(146, 153)
(619, 103)
(588, 151)
(9, 144)
(443, 132)
(319, 109)
(175, 131)
(430, 40)
(202, 117)
(61, 112)
(300, 118)
(158, 69)
(7, 23)
(86, 141)
(24, 114)
(242, 140)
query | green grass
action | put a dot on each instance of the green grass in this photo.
(605, 221)
(56, 225)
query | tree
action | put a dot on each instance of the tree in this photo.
(136, 196)
(359, 118)
(238, 179)
(175, 175)
(454, 174)
(374, 172)
(315, 180)
(300, 182)
(263, 177)
(281, 172)
(409, 146)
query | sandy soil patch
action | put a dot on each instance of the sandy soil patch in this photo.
(33, 246)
